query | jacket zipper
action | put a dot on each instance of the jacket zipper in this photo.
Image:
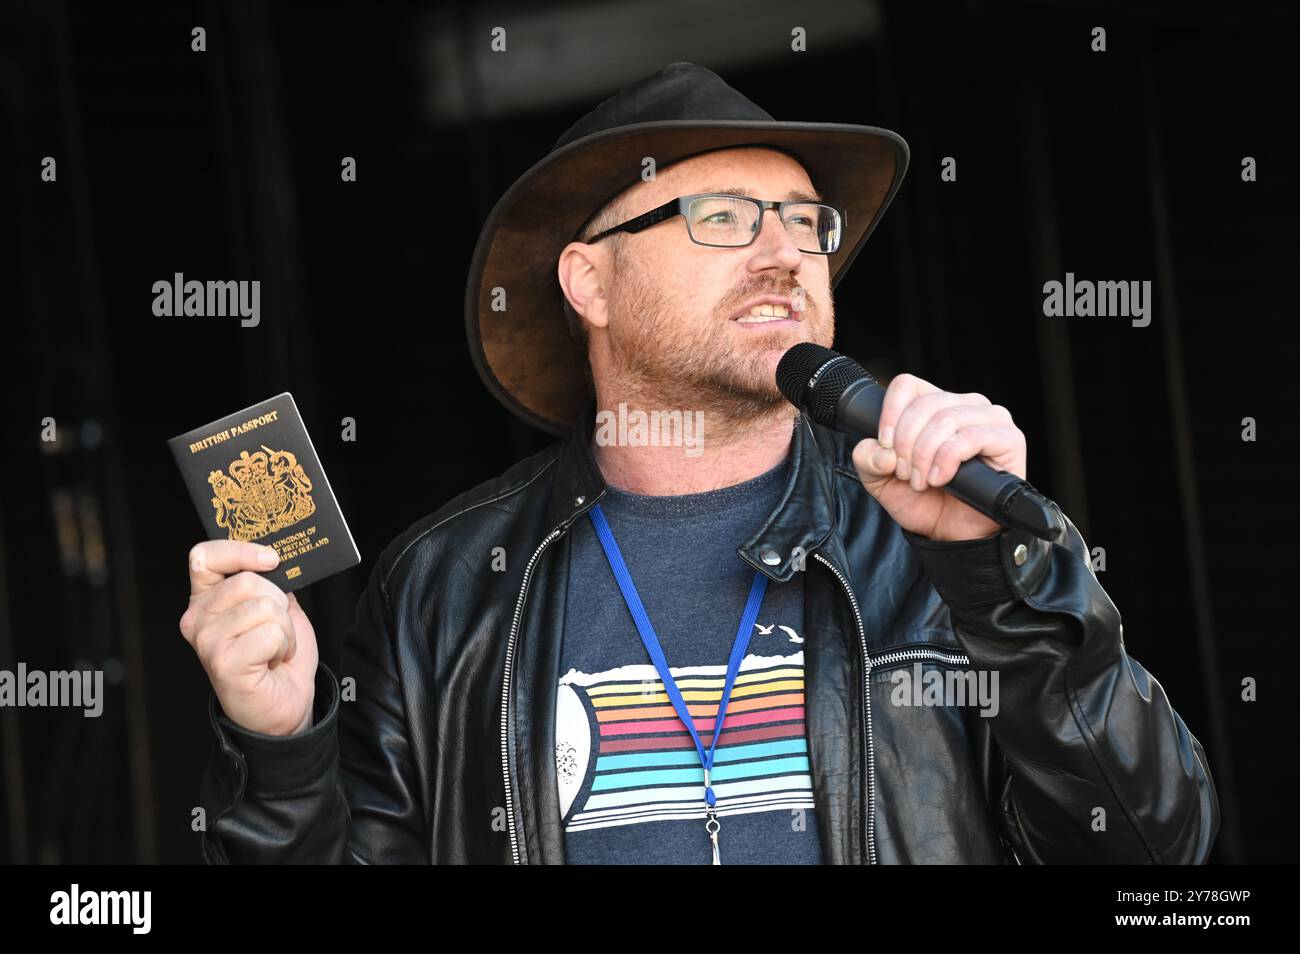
(505, 688)
(866, 710)
(867, 665)
(901, 655)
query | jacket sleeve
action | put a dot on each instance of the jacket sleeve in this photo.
(1097, 765)
(342, 792)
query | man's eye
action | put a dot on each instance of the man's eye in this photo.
(720, 218)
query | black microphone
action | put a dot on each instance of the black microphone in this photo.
(839, 393)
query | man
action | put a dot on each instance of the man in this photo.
(696, 644)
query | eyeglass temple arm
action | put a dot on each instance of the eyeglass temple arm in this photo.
(645, 220)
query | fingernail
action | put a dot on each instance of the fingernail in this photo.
(880, 459)
(934, 473)
(886, 438)
(904, 470)
(268, 557)
(918, 481)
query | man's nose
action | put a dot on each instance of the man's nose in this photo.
(773, 241)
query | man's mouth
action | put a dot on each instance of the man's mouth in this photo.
(767, 313)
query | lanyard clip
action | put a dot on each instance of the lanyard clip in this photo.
(712, 826)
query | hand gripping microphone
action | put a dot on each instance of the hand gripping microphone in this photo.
(838, 393)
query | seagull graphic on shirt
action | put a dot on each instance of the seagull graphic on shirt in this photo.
(767, 631)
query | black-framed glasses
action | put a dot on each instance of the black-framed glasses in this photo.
(733, 221)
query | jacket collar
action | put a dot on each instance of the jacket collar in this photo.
(578, 480)
(802, 520)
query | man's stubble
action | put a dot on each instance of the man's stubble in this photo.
(698, 367)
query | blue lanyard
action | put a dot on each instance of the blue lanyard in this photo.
(642, 620)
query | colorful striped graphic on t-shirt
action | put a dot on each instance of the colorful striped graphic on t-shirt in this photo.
(646, 765)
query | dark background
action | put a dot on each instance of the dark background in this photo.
(1123, 165)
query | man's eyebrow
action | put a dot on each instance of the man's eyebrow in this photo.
(795, 194)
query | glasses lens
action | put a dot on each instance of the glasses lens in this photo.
(814, 227)
(722, 220)
(733, 221)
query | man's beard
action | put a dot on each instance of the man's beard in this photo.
(698, 368)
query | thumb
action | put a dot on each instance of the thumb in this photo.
(873, 461)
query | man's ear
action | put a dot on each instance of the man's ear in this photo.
(579, 272)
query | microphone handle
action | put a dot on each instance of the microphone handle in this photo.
(998, 494)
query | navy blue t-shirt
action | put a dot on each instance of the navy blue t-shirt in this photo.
(630, 782)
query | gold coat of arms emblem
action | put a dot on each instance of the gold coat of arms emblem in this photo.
(264, 492)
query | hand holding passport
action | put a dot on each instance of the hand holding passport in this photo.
(254, 475)
(260, 491)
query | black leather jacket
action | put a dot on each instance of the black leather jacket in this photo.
(440, 747)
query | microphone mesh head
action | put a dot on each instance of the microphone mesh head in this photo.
(797, 366)
(813, 378)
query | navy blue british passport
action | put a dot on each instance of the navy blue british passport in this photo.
(254, 475)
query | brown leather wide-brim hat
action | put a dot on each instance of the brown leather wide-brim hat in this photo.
(519, 336)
